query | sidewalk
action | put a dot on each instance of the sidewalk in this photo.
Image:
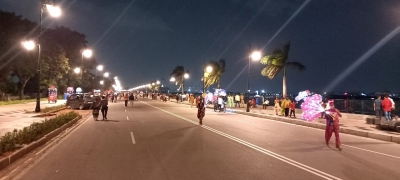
(15, 117)
(354, 124)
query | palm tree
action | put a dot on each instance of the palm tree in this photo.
(277, 61)
(215, 75)
(179, 74)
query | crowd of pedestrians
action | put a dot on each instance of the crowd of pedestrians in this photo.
(385, 106)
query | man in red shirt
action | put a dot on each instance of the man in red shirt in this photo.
(387, 107)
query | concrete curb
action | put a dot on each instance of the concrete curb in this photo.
(372, 135)
(4, 162)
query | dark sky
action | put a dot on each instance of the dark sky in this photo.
(346, 45)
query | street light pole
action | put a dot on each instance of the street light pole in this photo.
(248, 86)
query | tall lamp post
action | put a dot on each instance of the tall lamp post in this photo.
(106, 74)
(30, 45)
(98, 68)
(185, 76)
(87, 53)
(255, 56)
(207, 72)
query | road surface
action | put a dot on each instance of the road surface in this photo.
(162, 140)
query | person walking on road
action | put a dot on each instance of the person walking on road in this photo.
(230, 101)
(191, 100)
(131, 99)
(387, 107)
(378, 107)
(265, 104)
(104, 107)
(201, 110)
(242, 100)
(332, 125)
(126, 98)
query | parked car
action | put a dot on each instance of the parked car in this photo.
(81, 101)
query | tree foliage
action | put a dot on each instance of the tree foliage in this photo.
(61, 50)
(278, 61)
(215, 76)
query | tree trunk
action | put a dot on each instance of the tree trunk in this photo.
(284, 91)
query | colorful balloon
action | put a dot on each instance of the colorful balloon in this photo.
(312, 107)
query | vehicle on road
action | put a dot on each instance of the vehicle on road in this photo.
(80, 101)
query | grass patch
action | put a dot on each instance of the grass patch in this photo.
(15, 139)
(2, 103)
(53, 108)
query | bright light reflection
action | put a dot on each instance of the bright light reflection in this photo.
(29, 45)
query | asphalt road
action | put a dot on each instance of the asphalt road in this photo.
(162, 140)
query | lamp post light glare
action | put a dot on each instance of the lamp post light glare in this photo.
(116, 78)
(100, 67)
(255, 56)
(87, 53)
(29, 45)
(209, 69)
(77, 70)
(158, 82)
(186, 75)
(53, 10)
(172, 79)
(101, 82)
(106, 74)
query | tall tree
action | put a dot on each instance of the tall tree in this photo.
(278, 61)
(178, 73)
(218, 68)
(14, 60)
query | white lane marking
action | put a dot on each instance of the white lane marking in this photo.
(257, 148)
(375, 152)
(133, 138)
(247, 122)
(371, 151)
(127, 118)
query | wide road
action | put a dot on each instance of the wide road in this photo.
(162, 140)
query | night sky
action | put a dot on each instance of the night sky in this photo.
(346, 45)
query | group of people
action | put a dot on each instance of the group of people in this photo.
(384, 105)
(285, 107)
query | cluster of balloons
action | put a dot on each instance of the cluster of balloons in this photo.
(312, 107)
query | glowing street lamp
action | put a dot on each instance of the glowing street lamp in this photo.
(52, 11)
(255, 56)
(28, 45)
(106, 74)
(101, 82)
(207, 72)
(77, 70)
(172, 79)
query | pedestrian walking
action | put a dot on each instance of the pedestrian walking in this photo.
(237, 101)
(242, 100)
(378, 107)
(191, 100)
(201, 110)
(387, 107)
(126, 98)
(177, 98)
(131, 99)
(104, 107)
(277, 106)
(292, 107)
(332, 124)
(230, 101)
